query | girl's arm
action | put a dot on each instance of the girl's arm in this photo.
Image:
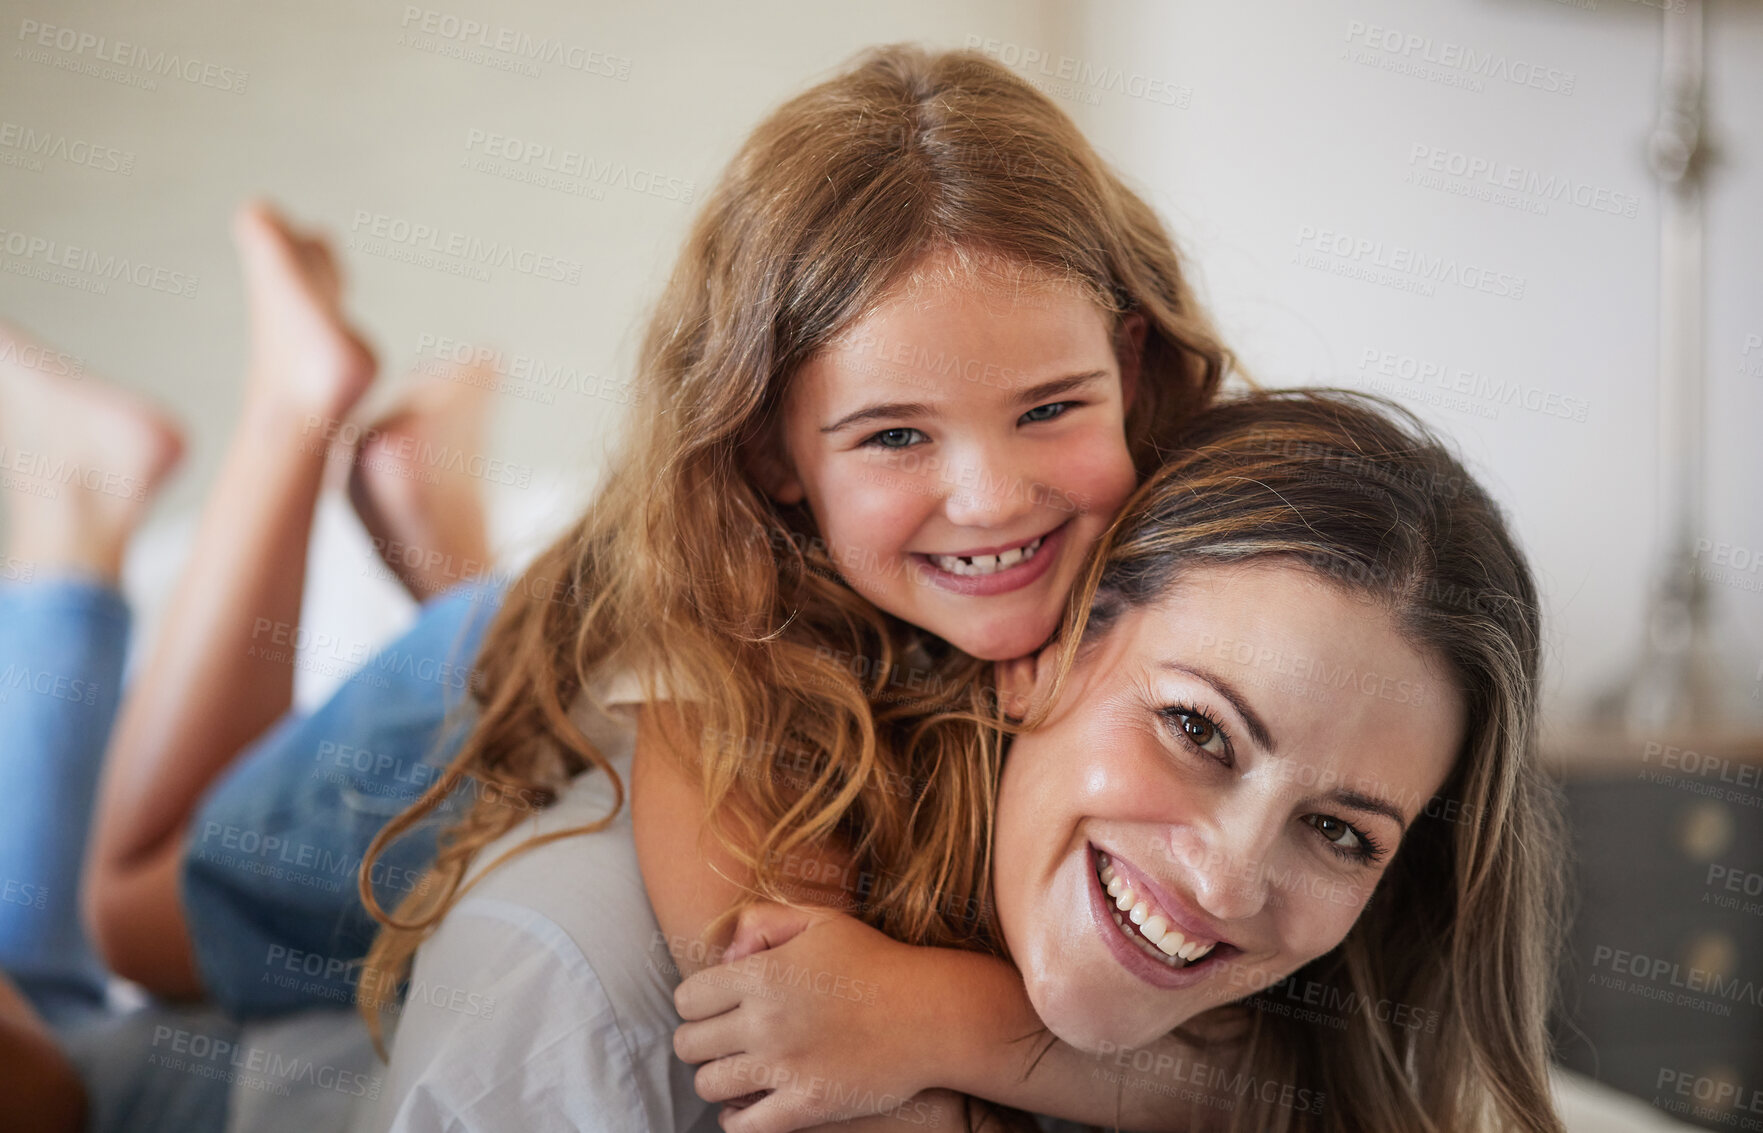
(831, 1014)
(845, 1019)
(690, 878)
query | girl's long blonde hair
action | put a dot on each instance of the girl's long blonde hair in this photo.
(1437, 1000)
(685, 572)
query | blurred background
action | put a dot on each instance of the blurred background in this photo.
(1457, 204)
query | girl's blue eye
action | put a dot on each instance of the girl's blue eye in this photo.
(901, 437)
(1048, 411)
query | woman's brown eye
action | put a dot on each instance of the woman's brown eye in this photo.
(1331, 828)
(1199, 731)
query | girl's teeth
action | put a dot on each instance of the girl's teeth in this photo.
(976, 565)
(1153, 926)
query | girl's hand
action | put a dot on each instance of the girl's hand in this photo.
(817, 1011)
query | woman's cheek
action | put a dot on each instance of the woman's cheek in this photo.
(1320, 915)
(1120, 784)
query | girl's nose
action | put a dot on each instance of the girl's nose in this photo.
(983, 490)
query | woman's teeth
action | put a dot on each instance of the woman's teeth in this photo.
(1150, 925)
(986, 564)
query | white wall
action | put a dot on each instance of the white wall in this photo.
(1275, 132)
(1290, 123)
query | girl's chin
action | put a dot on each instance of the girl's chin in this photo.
(998, 639)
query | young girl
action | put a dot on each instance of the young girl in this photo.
(919, 347)
(1279, 786)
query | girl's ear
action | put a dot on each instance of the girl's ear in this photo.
(1129, 350)
(776, 476)
(772, 471)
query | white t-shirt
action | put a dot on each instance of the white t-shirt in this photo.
(544, 999)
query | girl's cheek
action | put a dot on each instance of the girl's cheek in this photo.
(878, 505)
(1096, 468)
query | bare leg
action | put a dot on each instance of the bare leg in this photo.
(43, 1093)
(412, 491)
(205, 692)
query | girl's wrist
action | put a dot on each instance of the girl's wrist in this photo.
(970, 1003)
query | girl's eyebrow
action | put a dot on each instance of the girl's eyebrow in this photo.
(1046, 391)
(1035, 394)
(884, 411)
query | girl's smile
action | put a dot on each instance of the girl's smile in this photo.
(985, 571)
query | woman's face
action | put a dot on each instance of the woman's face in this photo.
(1236, 765)
(961, 448)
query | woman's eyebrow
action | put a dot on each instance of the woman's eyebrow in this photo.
(1358, 800)
(1257, 730)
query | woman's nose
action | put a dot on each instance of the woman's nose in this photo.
(1228, 866)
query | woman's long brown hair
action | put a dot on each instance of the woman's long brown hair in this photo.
(684, 572)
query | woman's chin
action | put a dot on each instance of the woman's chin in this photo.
(1095, 1021)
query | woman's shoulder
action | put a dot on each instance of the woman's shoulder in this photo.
(572, 864)
(548, 978)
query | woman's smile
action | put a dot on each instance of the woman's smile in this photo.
(1141, 928)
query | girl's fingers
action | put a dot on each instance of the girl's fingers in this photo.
(776, 1112)
(710, 993)
(716, 1037)
(764, 925)
(727, 1079)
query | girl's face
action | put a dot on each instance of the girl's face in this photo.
(961, 448)
(1235, 766)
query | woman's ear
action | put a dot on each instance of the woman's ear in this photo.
(1129, 351)
(1019, 683)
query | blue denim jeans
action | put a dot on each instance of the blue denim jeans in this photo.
(62, 645)
(269, 876)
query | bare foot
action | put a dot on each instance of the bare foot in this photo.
(413, 486)
(306, 357)
(81, 461)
